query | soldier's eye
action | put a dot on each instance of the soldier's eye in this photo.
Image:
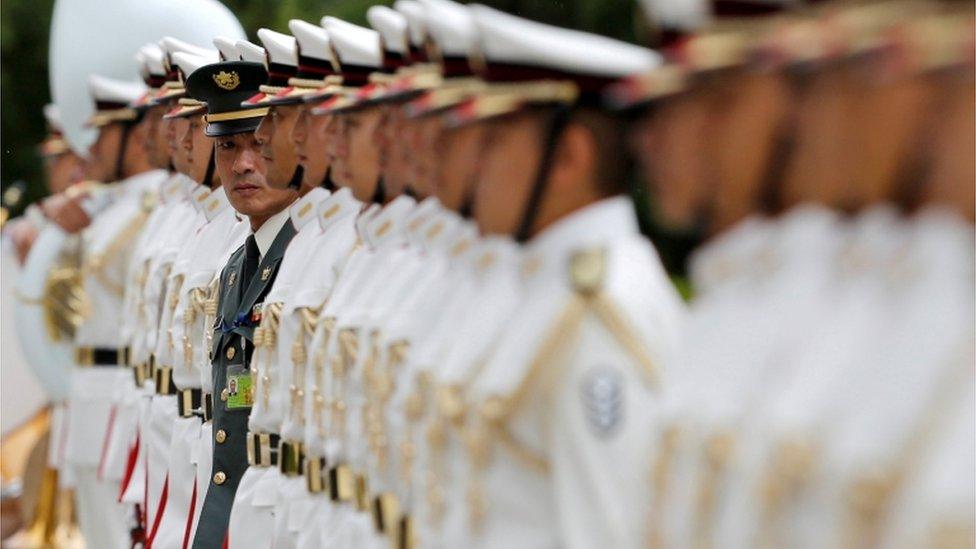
(225, 145)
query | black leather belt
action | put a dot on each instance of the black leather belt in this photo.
(101, 357)
(291, 457)
(262, 449)
(189, 402)
(164, 381)
(316, 475)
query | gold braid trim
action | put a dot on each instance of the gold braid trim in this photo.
(95, 264)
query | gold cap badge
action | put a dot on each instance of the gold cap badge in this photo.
(227, 80)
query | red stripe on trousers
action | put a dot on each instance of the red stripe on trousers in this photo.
(189, 518)
(130, 467)
(160, 510)
(108, 436)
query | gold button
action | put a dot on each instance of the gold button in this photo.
(224, 394)
(219, 478)
(231, 352)
(221, 436)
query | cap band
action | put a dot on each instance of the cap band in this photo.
(237, 115)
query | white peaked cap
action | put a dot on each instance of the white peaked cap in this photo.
(189, 63)
(227, 48)
(509, 39)
(53, 116)
(354, 45)
(416, 19)
(111, 90)
(251, 52)
(152, 59)
(281, 48)
(392, 26)
(99, 38)
(313, 40)
(685, 15)
(451, 26)
(173, 45)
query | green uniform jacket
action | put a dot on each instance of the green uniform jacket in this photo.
(234, 328)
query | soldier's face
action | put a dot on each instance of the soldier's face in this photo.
(198, 148)
(746, 109)
(156, 146)
(426, 156)
(357, 163)
(243, 171)
(310, 138)
(181, 156)
(457, 172)
(511, 161)
(63, 170)
(277, 148)
(393, 146)
(104, 153)
(668, 148)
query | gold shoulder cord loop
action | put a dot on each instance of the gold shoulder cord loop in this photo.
(210, 315)
(197, 306)
(266, 337)
(128, 233)
(299, 356)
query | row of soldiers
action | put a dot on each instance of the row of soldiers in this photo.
(363, 287)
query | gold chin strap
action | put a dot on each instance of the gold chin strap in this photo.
(236, 115)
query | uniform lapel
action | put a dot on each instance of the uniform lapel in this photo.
(269, 264)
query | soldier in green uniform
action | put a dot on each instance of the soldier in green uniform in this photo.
(245, 279)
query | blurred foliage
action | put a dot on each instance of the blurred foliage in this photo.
(24, 27)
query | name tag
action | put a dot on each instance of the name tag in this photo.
(240, 388)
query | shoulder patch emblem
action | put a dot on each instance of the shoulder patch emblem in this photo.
(602, 396)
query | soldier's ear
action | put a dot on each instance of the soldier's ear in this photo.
(574, 161)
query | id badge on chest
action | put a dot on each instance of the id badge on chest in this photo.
(240, 387)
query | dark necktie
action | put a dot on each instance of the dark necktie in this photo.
(252, 257)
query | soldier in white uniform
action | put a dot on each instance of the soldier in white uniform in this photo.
(118, 154)
(571, 385)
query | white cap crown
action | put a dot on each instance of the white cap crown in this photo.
(313, 40)
(227, 48)
(281, 48)
(392, 26)
(251, 52)
(110, 90)
(416, 20)
(354, 45)
(513, 40)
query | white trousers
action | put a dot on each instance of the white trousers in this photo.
(103, 521)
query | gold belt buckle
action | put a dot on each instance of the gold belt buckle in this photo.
(341, 483)
(290, 457)
(85, 356)
(361, 492)
(315, 481)
(386, 512)
(251, 454)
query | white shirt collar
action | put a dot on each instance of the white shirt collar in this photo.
(339, 204)
(388, 225)
(217, 202)
(303, 210)
(267, 233)
(599, 224)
